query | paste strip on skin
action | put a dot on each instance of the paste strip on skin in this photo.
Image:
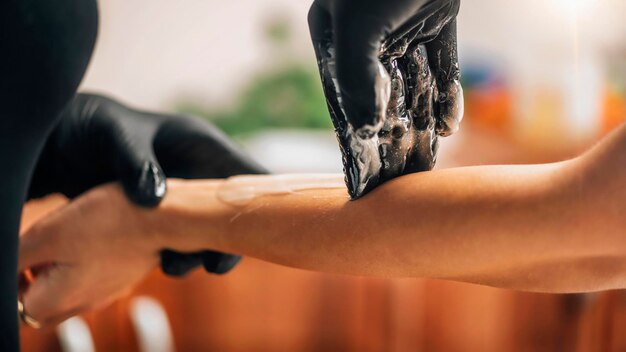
(241, 190)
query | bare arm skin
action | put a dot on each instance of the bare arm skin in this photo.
(550, 228)
(516, 227)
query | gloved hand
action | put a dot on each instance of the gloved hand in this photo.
(357, 43)
(99, 140)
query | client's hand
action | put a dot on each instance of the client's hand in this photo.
(85, 254)
(99, 140)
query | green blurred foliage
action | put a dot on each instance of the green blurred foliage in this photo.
(289, 97)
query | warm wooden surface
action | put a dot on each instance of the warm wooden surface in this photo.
(263, 307)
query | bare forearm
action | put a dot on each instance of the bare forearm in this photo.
(518, 227)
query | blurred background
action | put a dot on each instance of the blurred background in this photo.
(543, 80)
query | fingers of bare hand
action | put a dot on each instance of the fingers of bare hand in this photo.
(51, 297)
(43, 265)
(42, 243)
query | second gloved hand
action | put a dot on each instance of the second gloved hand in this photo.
(99, 140)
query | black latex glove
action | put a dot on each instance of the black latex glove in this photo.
(367, 49)
(99, 140)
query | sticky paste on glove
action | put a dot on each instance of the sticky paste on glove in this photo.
(407, 140)
(241, 190)
(419, 98)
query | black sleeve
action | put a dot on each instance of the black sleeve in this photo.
(45, 47)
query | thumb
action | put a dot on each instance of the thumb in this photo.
(138, 170)
(364, 84)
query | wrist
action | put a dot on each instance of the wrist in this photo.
(190, 218)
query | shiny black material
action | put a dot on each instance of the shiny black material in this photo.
(100, 140)
(388, 119)
(45, 47)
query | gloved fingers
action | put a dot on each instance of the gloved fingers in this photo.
(124, 139)
(422, 93)
(421, 27)
(434, 26)
(444, 62)
(137, 168)
(359, 150)
(321, 30)
(320, 23)
(146, 185)
(364, 84)
(179, 264)
(219, 263)
(422, 89)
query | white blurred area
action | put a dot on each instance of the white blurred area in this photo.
(151, 52)
(558, 57)
(281, 151)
